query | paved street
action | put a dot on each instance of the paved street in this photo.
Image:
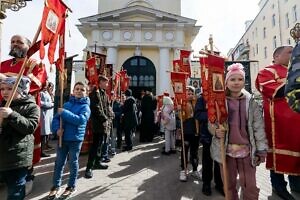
(141, 174)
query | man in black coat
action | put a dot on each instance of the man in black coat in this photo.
(100, 119)
(148, 106)
(130, 120)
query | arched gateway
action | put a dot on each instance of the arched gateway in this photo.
(143, 74)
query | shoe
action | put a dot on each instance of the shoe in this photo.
(283, 193)
(182, 176)
(88, 173)
(100, 166)
(206, 190)
(44, 155)
(28, 187)
(197, 175)
(69, 191)
(220, 190)
(173, 151)
(105, 160)
(167, 153)
(53, 193)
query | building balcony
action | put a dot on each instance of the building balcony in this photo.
(241, 52)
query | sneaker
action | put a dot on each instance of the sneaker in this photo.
(197, 175)
(28, 187)
(53, 193)
(105, 160)
(69, 191)
(88, 173)
(182, 176)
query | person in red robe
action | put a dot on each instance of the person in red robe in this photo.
(282, 132)
(34, 70)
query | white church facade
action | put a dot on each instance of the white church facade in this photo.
(142, 36)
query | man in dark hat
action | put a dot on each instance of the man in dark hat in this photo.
(99, 118)
(148, 106)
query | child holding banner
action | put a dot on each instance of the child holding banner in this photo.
(245, 140)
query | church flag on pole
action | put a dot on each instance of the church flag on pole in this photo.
(52, 26)
(178, 80)
(185, 61)
(212, 76)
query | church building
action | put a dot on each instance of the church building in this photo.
(142, 36)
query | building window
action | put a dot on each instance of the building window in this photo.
(265, 52)
(295, 13)
(256, 48)
(287, 20)
(264, 32)
(253, 50)
(289, 41)
(264, 17)
(273, 6)
(274, 42)
(252, 34)
(133, 62)
(256, 32)
(273, 20)
(134, 81)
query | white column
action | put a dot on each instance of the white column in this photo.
(112, 57)
(163, 77)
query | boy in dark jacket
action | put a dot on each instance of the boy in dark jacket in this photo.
(16, 137)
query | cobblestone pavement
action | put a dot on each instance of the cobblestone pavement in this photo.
(141, 174)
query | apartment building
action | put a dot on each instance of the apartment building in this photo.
(268, 30)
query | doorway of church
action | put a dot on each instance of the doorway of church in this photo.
(142, 75)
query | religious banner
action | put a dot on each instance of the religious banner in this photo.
(100, 62)
(178, 80)
(212, 75)
(185, 61)
(91, 71)
(176, 65)
(52, 26)
(124, 80)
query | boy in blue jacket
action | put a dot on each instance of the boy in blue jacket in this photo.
(74, 115)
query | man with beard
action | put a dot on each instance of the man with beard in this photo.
(19, 46)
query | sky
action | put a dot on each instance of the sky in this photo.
(224, 19)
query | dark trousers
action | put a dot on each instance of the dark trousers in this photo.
(94, 156)
(191, 143)
(15, 180)
(119, 137)
(279, 184)
(210, 168)
(128, 137)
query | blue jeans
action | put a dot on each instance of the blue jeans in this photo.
(71, 148)
(279, 183)
(15, 180)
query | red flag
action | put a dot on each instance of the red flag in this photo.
(176, 66)
(91, 71)
(53, 22)
(179, 86)
(185, 61)
(124, 80)
(100, 62)
(212, 76)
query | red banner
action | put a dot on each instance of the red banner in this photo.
(100, 62)
(124, 80)
(52, 26)
(91, 71)
(185, 61)
(116, 85)
(212, 76)
(179, 86)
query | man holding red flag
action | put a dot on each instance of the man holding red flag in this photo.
(35, 71)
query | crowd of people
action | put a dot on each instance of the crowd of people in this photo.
(252, 133)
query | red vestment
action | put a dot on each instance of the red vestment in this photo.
(281, 123)
(38, 76)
